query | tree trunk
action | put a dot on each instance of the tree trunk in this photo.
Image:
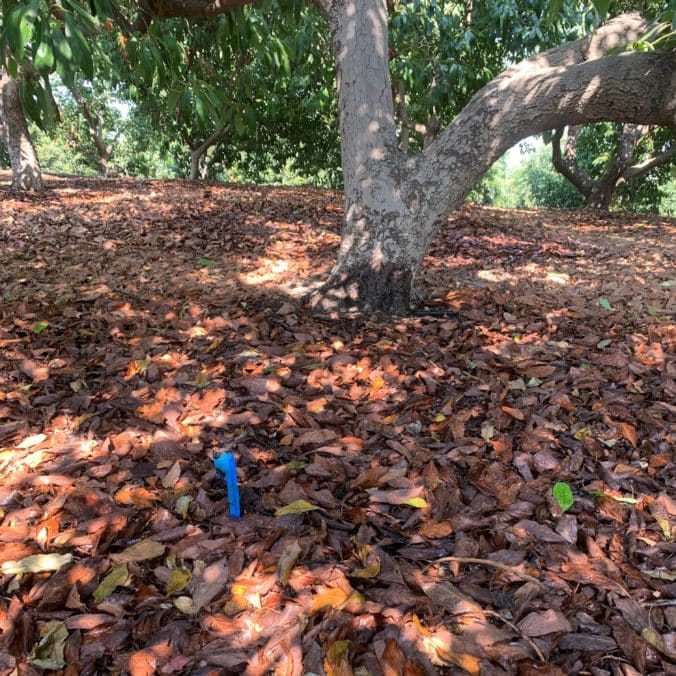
(198, 150)
(195, 157)
(26, 174)
(395, 204)
(382, 244)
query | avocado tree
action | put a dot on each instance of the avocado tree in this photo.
(26, 174)
(631, 151)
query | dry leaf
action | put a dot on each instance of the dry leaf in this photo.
(208, 584)
(287, 561)
(141, 551)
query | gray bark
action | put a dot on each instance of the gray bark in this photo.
(599, 192)
(26, 174)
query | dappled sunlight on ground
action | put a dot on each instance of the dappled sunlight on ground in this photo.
(396, 476)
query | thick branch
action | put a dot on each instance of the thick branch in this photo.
(650, 163)
(633, 87)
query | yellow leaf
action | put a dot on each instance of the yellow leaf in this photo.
(416, 502)
(296, 507)
(178, 579)
(336, 662)
(333, 597)
(370, 562)
(582, 433)
(470, 663)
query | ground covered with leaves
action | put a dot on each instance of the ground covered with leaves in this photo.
(486, 488)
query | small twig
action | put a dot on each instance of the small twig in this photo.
(661, 602)
(491, 564)
(514, 628)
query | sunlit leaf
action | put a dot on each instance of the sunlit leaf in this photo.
(38, 563)
(39, 327)
(334, 597)
(336, 662)
(418, 503)
(296, 507)
(183, 505)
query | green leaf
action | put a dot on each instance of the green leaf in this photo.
(563, 495)
(206, 263)
(603, 302)
(116, 578)
(48, 653)
(27, 23)
(80, 48)
(39, 327)
(44, 56)
(601, 7)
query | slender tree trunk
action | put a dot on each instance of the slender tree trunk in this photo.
(195, 157)
(26, 174)
(96, 128)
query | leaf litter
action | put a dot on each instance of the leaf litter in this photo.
(483, 488)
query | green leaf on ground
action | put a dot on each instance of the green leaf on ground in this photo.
(563, 495)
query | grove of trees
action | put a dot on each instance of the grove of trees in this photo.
(423, 97)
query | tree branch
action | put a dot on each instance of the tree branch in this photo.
(566, 163)
(528, 99)
(650, 163)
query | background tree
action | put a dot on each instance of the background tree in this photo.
(597, 160)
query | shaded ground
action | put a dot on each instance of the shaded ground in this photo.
(147, 326)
